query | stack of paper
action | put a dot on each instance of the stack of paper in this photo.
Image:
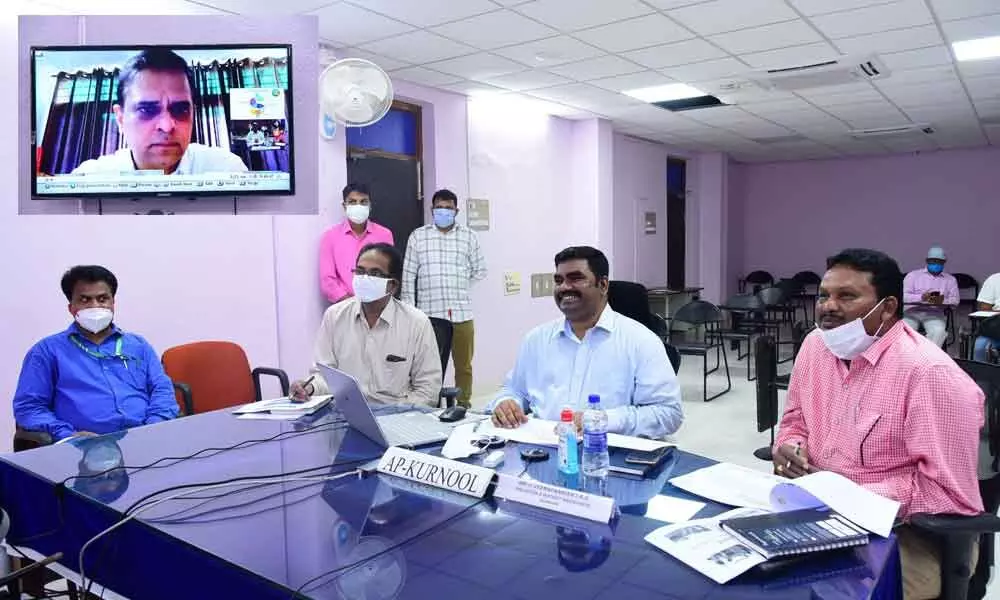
(543, 433)
(282, 409)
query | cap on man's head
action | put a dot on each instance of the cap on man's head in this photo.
(936, 253)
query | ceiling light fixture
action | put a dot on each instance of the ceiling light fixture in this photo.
(663, 93)
(977, 49)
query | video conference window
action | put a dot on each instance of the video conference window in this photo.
(162, 121)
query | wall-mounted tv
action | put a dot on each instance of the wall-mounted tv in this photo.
(112, 121)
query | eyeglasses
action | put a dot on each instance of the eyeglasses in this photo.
(371, 273)
(485, 443)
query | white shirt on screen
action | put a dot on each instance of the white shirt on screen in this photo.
(198, 159)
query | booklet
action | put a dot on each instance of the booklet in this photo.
(285, 406)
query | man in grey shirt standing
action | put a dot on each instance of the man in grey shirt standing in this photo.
(443, 259)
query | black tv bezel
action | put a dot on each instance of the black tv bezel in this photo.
(33, 140)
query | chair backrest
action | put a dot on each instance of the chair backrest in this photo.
(674, 356)
(631, 299)
(749, 302)
(698, 312)
(772, 296)
(218, 374)
(987, 376)
(791, 287)
(990, 328)
(800, 329)
(966, 281)
(766, 364)
(807, 278)
(757, 279)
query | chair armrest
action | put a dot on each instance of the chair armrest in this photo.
(955, 536)
(956, 524)
(28, 440)
(187, 400)
(280, 374)
(448, 394)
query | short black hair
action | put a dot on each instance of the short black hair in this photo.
(596, 260)
(355, 187)
(87, 274)
(882, 269)
(445, 194)
(392, 253)
(152, 59)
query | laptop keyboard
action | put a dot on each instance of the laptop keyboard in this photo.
(413, 428)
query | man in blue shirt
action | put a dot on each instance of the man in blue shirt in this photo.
(93, 378)
(594, 350)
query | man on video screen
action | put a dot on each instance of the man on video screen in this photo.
(155, 113)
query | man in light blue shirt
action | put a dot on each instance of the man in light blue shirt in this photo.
(93, 378)
(594, 350)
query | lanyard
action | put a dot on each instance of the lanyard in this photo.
(100, 355)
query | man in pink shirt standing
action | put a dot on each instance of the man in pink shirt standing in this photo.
(878, 403)
(338, 251)
(926, 292)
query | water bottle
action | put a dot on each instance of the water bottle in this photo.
(595, 439)
(566, 430)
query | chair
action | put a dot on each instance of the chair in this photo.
(766, 359)
(444, 333)
(757, 279)
(967, 282)
(632, 300)
(799, 332)
(744, 311)
(707, 317)
(216, 375)
(809, 281)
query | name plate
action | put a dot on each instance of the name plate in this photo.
(452, 475)
(555, 498)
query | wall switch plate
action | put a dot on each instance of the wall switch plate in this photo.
(542, 285)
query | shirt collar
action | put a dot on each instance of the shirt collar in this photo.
(388, 313)
(74, 328)
(345, 227)
(608, 321)
(875, 352)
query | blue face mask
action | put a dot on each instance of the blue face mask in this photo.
(444, 217)
(935, 269)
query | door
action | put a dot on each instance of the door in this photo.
(676, 199)
(395, 194)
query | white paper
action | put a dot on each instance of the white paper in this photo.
(283, 405)
(864, 508)
(730, 484)
(543, 433)
(705, 547)
(459, 444)
(984, 313)
(269, 417)
(672, 510)
(555, 498)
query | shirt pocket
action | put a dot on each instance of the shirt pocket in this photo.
(395, 376)
(872, 439)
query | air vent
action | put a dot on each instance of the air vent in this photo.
(908, 129)
(780, 139)
(832, 72)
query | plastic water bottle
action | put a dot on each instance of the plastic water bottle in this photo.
(595, 439)
(568, 453)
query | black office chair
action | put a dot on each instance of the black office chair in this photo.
(809, 281)
(745, 313)
(757, 280)
(705, 320)
(632, 300)
(956, 533)
(444, 332)
(967, 282)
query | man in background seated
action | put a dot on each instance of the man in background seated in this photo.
(154, 109)
(388, 346)
(92, 378)
(930, 285)
(338, 250)
(876, 402)
(989, 299)
(594, 350)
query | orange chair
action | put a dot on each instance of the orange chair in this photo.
(212, 375)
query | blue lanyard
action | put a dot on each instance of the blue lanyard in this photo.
(100, 355)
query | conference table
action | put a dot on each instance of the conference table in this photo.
(318, 530)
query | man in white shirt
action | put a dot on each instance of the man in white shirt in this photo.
(154, 111)
(989, 299)
(388, 346)
(593, 350)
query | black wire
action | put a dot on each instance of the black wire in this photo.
(350, 566)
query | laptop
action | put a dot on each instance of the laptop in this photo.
(402, 429)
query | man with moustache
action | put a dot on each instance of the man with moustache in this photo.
(154, 110)
(880, 404)
(593, 350)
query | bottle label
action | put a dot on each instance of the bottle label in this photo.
(595, 441)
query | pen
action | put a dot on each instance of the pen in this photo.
(304, 384)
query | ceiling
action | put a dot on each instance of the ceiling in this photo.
(578, 55)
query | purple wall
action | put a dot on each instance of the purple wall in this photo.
(300, 31)
(796, 214)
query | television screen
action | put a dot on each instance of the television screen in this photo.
(162, 120)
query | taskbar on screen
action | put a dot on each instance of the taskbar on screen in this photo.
(166, 185)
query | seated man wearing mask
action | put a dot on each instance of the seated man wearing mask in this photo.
(989, 300)
(92, 378)
(930, 285)
(388, 346)
(593, 350)
(876, 402)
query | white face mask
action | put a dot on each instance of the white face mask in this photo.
(369, 289)
(94, 320)
(357, 213)
(848, 341)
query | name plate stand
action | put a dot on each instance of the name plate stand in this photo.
(471, 480)
(558, 499)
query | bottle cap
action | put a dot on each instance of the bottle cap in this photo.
(566, 415)
(594, 399)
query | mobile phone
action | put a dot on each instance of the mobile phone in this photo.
(648, 458)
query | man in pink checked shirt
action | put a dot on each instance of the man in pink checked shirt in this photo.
(338, 250)
(878, 403)
(927, 292)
